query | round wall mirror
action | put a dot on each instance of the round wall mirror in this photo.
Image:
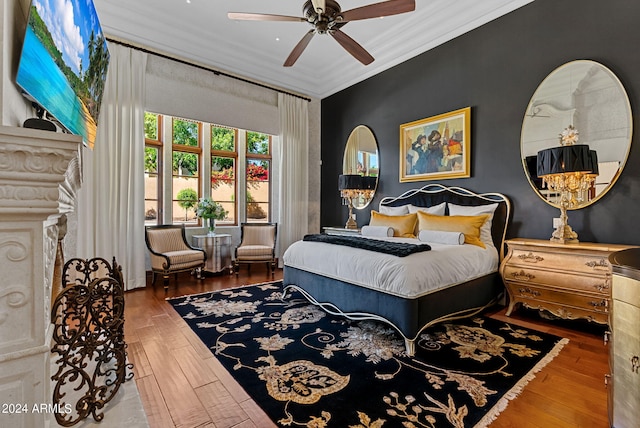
(361, 157)
(587, 96)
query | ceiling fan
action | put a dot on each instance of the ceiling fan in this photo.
(327, 17)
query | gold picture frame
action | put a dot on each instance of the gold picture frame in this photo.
(437, 147)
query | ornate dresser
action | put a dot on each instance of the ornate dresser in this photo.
(624, 348)
(569, 280)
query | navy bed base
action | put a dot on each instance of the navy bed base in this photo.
(410, 316)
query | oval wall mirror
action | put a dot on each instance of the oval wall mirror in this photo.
(361, 157)
(588, 96)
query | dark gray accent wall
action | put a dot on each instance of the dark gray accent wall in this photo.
(495, 69)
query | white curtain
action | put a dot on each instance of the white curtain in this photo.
(350, 160)
(294, 170)
(111, 200)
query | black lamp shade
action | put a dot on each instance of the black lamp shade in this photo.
(593, 159)
(532, 165)
(369, 183)
(349, 181)
(560, 160)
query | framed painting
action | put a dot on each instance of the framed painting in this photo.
(437, 147)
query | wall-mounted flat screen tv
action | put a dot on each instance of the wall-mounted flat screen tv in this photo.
(64, 61)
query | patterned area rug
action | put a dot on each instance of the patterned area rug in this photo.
(307, 368)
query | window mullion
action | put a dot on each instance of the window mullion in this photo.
(242, 175)
(167, 172)
(205, 161)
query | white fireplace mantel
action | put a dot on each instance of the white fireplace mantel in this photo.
(40, 173)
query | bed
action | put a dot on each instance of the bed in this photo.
(408, 293)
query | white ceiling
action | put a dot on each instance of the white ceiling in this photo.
(200, 32)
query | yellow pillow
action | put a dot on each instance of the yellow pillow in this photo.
(402, 225)
(467, 225)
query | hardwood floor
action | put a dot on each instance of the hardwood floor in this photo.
(181, 384)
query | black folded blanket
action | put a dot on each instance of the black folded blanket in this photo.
(400, 249)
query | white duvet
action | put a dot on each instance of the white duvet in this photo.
(410, 277)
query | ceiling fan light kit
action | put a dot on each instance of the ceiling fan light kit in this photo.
(327, 17)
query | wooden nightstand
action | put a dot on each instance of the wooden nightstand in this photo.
(569, 280)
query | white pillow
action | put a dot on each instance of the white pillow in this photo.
(376, 231)
(441, 237)
(485, 230)
(434, 210)
(401, 210)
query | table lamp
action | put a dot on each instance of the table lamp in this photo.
(570, 170)
(350, 186)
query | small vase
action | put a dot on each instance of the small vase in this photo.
(212, 226)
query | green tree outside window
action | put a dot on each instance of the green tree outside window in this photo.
(151, 126)
(187, 199)
(257, 143)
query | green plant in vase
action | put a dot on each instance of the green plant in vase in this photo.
(211, 210)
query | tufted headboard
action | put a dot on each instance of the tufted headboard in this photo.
(434, 194)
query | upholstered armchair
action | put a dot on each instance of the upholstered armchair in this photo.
(257, 245)
(171, 253)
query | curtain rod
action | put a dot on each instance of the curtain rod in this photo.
(202, 67)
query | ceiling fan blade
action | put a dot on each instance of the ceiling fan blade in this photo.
(319, 6)
(300, 47)
(376, 10)
(263, 17)
(352, 47)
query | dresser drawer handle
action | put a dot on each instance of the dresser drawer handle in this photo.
(635, 364)
(600, 304)
(534, 293)
(598, 265)
(602, 287)
(522, 276)
(530, 258)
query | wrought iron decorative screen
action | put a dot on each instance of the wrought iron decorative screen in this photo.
(88, 317)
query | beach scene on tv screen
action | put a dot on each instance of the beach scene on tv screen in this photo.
(64, 61)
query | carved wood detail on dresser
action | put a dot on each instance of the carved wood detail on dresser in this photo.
(570, 281)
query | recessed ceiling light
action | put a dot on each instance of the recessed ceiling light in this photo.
(277, 39)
